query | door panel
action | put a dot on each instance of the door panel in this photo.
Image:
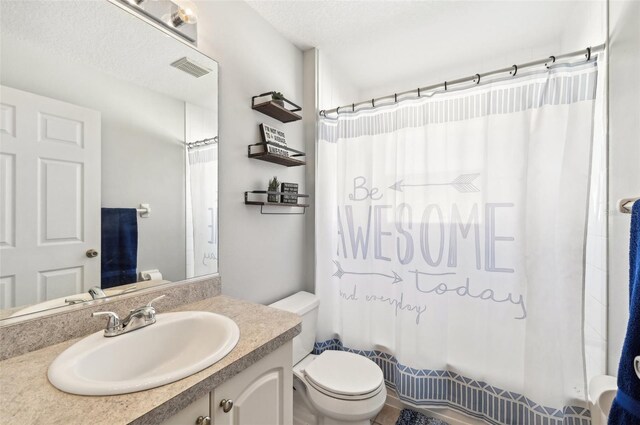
(61, 199)
(50, 172)
(60, 283)
(7, 200)
(60, 130)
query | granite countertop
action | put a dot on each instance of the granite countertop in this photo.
(27, 397)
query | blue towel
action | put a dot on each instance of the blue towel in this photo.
(119, 259)
(626, 406)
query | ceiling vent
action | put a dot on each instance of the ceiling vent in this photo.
(190, 67)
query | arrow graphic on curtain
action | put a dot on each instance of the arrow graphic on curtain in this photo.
(463, 184)
(340, 272)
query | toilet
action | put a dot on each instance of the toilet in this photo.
(335, 387)
(602, 391)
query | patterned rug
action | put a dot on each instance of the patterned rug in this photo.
(409, 417)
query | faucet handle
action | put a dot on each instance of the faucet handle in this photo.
(112, 324)
(149, 304)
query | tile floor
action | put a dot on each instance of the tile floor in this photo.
(387, 416)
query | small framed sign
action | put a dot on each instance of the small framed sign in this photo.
(289, 188)
(272, 135)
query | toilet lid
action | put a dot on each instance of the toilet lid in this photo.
(343, 373)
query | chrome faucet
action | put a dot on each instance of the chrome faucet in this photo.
(137, 318)
(96, 294)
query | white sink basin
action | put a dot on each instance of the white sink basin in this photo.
(176, 346)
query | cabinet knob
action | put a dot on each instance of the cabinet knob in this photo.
(226, 405)
(203, 420)
(92, 253)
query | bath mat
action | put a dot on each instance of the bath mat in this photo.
(409, 417)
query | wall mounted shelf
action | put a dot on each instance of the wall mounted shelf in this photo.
(263, 203)
(268, 107)
(294, 159)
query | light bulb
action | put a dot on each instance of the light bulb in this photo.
(183, 16)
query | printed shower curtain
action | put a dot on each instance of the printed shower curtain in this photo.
(450, 244)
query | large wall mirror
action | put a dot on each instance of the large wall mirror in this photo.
(108, 156)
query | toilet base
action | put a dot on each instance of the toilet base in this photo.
(305, 414)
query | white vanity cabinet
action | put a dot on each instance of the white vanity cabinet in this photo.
(262, 394)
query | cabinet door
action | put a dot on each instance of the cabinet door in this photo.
(261, 394)
(189, 415)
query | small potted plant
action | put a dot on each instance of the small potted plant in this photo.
(273, 187)
(277, 98)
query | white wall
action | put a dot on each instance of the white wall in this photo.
(334, 88)
(584, 27)
(624, 157)
(142, 144)
(262, 257)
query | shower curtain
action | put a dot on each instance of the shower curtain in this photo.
(202, 210)
(450, 234)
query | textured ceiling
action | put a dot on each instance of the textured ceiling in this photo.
(109, 39)
(374, 42)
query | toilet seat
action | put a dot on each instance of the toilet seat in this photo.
(344, 376)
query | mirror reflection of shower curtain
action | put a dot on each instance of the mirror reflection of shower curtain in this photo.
(450, 243)
(202, 210)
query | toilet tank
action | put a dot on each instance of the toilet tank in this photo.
(304, 304)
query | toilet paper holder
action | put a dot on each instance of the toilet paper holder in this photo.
(153, 274)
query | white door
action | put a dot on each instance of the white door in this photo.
(49, 198)
(259, 395)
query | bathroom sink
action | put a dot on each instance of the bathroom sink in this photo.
(176, 346)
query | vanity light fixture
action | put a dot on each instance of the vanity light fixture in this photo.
(177, 16)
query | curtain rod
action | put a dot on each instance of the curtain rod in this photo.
(202, 142)
(513, 70)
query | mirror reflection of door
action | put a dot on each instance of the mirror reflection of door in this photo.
(50, 198)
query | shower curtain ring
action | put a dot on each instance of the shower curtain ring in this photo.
(514, 71)
(323, 113)
(588, 54)
(353, 107)
(445, 86)
(395, 97)
(338, 110)
(418, 92)
(373, 103)
(478, 78)
(553, 60)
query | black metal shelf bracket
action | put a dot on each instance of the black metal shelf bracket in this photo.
(304, 210)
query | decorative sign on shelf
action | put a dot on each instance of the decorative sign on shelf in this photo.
(289, 188)
(272, 135)
(277, 151)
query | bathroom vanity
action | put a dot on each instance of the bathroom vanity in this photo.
(253, 379)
